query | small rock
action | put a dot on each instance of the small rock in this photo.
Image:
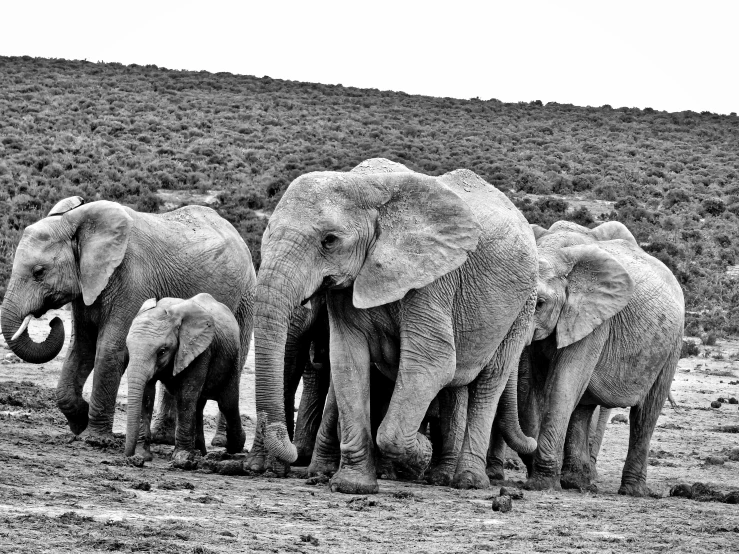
(715, 404)
(309, 539)
(682, 490)
(722, 400)
(404, 495)
(619, 418)
(227, 534)
(231, 467)
(734, 454)
(137, 460)
(502, 504)
(715, 460)
(731, 498)
(515, 494)
(141, 486)
(733, 400)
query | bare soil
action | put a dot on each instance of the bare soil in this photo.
(58, 494)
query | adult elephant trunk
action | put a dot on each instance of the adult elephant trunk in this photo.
(281, 286)
(510, 426)
(14, 318)
(137, 380)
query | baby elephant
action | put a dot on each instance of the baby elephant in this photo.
(192, 347)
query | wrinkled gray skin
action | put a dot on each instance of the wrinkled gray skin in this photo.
(432, 279)
(106, 260)
(306, 357)
(193, 347)
(608, 331)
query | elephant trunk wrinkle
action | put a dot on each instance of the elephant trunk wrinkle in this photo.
(136, 384)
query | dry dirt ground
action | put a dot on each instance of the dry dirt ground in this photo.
(61, 495)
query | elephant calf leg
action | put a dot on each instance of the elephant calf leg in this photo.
(220, 439)
(576, 472)
(165, 418)
(229, 406)
(452, 420)
(326, 453)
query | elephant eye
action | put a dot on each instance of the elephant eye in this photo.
(540, 302)
(329, 240)
(161, 351)
(38, 272)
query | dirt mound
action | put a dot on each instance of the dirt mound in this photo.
(30, 403)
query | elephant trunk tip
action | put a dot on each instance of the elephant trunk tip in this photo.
(277, 442)
(528, 446)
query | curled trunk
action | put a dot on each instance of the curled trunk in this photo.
(509, 425)
(24, 347)
(276, 298)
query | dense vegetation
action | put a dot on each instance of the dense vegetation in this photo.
(124, 132)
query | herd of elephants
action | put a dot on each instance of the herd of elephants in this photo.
(432, 327)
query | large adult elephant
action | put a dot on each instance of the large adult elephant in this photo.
(106, 260)
(432, 279)
(608, 331)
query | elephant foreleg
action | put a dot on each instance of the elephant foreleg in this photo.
(76, 369)
(576, 465)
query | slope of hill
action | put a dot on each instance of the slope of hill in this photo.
(127, 132)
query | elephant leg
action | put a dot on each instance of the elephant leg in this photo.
(200, 428)
(326, 452)
(350, 367)
(643, 419)
(312, 402)
(452, 421)
(109, 368)
(228, 404)
(165, 417)
(495, 463)
(75, 370)
(220, 439)
(597, 430)
(566, 384)
(143, 444)
(576, 464)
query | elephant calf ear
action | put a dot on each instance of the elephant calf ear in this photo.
(63, 206)
(611, 230)
(197, 330)
(424, 231)
(598, 287)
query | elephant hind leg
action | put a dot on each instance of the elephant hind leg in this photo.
(643, 419)
(452, 420)
(495, 463)
(576, 472)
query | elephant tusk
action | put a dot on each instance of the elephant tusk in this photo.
(23, 327)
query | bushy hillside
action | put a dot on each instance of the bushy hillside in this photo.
(125, 132)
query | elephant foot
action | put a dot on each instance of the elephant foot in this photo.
(220, 441)
(163, 434)
(354, 481)
(186, 459)
(638, 489)
(321, 466)
(540, 482)
(235, 444)
(143, 450)
(469, 479)
(385, 469)
(264, 463)
(574, 477)
(440, 475)
(495, 472)
(104, 440)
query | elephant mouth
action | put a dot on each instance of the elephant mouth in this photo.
(329, 282)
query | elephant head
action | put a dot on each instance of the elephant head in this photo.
(382, 229)
(580, 286)
(71, 252)
(165, 336)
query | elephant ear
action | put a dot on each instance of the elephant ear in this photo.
(613, 230)
(598, 287)
(63, 206)
(197, 329)
(102, 229)
(148, 305)
(424, 230)
(538, 231)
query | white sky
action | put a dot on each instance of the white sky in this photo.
(668, 55)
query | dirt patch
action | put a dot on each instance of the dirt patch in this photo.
(58, 494)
